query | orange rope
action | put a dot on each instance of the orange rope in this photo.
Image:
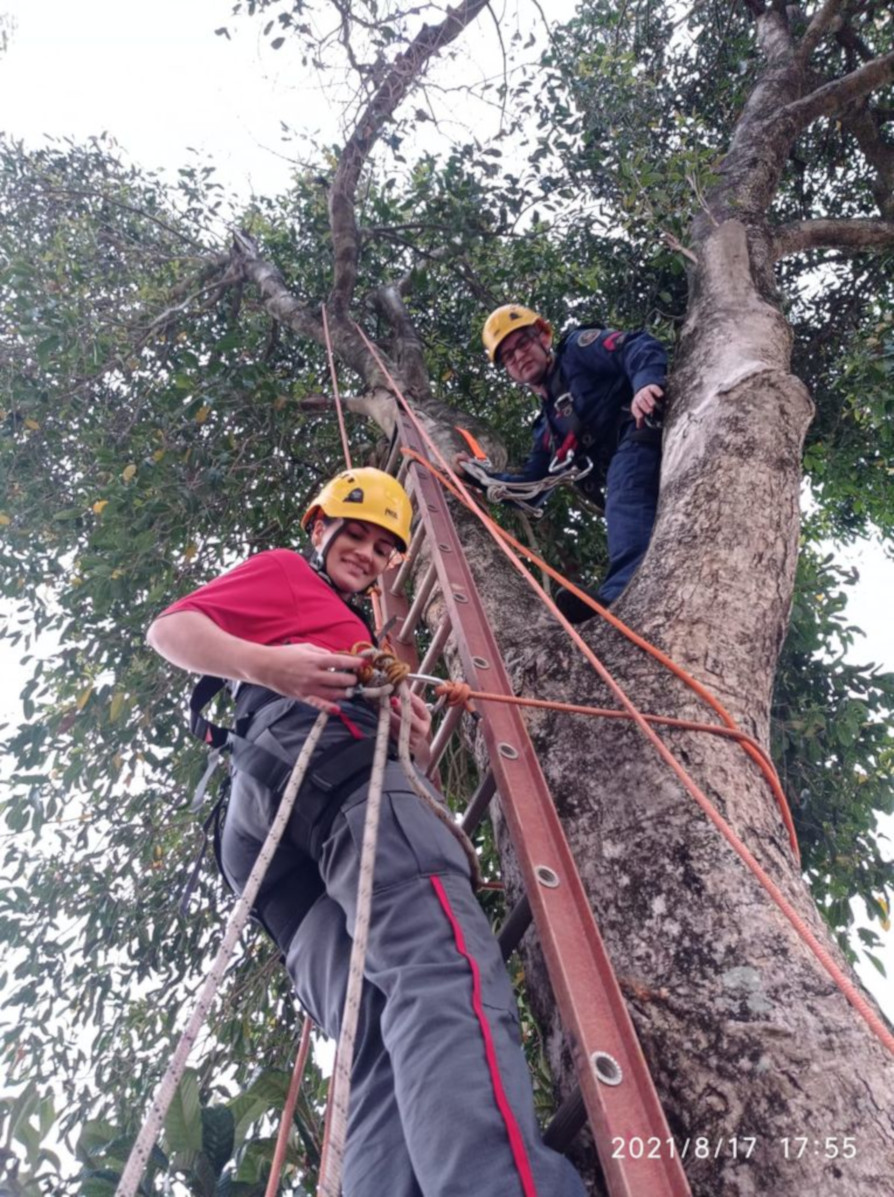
(460, 693)
(338, 409)
(285, 1123)
(749, 744)
(845, 985)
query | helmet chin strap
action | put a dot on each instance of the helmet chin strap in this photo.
(331, 529)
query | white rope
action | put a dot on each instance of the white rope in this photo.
(403, 750)
(164, 1094)
(340, 1092)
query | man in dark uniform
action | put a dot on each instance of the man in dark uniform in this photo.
(600, 393)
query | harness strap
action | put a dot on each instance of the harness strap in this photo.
(204, 690)
(334, 775)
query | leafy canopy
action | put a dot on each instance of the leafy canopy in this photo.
(157, 426)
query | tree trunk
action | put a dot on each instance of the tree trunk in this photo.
(746, 1033)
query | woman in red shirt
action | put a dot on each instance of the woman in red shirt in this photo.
(440, 1096)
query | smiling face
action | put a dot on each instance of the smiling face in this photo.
(525, 355)
(357, 554)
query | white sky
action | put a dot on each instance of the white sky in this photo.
(153, 76)
(159, 81)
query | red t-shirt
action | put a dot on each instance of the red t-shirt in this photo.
(276, 598)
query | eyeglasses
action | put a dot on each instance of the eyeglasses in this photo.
(505, 356)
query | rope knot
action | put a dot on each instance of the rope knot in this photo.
(379, 666)
(455, 693)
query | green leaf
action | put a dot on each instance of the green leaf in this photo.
(183, 1124)
(218, 1136)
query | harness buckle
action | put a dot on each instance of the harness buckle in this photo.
(563, 405)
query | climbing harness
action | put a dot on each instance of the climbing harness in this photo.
(381, 674)
(528, 496)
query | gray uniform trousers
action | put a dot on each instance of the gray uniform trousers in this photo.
(441, 1102)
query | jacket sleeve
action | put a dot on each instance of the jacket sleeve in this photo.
(536, 464)
(643, 359)
(632, 357)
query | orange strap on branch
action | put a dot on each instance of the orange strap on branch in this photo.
(461, 693)
(474, 448)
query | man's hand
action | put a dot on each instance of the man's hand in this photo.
(645, 401)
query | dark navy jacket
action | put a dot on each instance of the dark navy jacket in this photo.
(602, 370)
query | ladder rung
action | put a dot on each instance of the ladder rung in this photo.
(567, 1122)
(400, 578)
(419, 601)
(517, 922)
(442, 738)
(479, 802)
(435, 649)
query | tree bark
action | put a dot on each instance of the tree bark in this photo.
(747, 1036)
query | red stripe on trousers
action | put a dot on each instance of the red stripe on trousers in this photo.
(516, 1143)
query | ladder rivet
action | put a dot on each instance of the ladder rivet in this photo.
(607, 1068)
(481, 663)
(445, 548)
(460, 597)
(508, 751)
(546, 876)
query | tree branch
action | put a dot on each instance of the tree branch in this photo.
(824, 19)
(277, 298)
(116, 203)
(316, 403)
(403, 73)
(855, 235)
(862, 124)
(302, 319)
(773, 34)
(407, 349)
(834, 97)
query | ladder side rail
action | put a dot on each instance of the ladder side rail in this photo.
(617, 1089)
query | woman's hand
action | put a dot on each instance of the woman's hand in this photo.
(420, 727)
(192, 641)
(306, 671)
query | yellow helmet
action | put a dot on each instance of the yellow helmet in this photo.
(365, 494)
(507, 319)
